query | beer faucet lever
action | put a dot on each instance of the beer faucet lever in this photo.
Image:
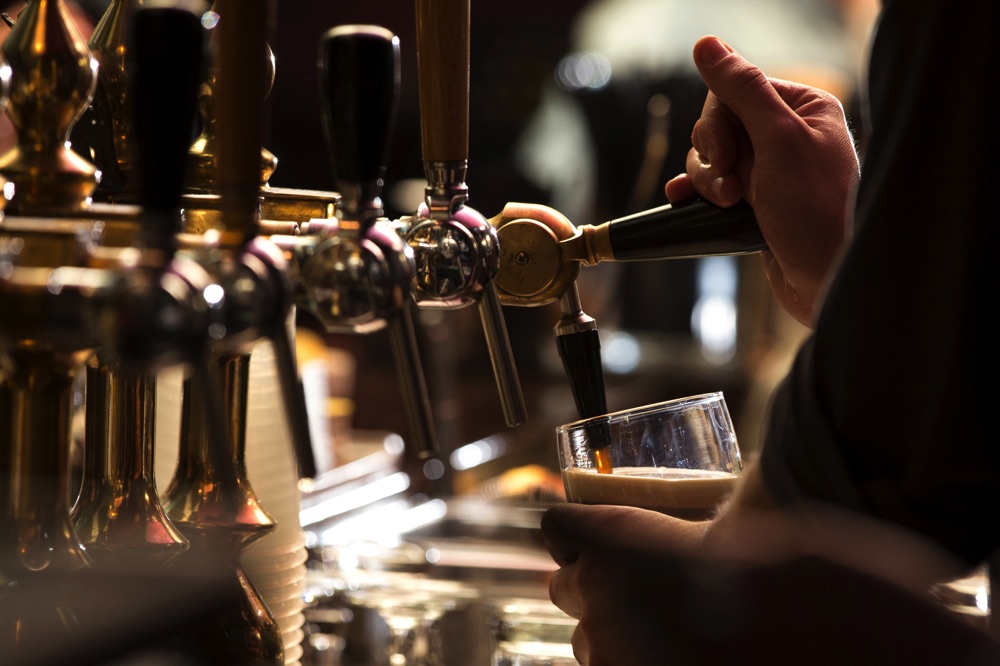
(456, 250)
(543, 251)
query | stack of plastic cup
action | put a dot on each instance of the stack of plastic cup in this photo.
(276, 564)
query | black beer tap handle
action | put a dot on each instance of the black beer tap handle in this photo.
(359, 79)
(360, 74)
(166, 56)
(693, 228)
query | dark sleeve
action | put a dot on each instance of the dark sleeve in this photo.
(890, 407)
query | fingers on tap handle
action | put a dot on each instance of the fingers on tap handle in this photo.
(166, 57)
(693, 228)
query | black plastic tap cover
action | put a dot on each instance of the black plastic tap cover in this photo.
(359, 89)
(694, 228)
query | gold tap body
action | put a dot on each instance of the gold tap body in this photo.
(53, 76)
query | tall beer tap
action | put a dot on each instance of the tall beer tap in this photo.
(359, 276)
(355, 274)
(212, 501)
(157, 314)
(49, 329)
(456, 250)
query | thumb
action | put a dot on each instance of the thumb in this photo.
(740, 85)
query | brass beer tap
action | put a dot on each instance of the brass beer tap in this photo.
(157, 314)
(543, 252)
(53, 76)
(49, 330)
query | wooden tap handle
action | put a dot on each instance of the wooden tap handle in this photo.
(443, 70)
(242, 85)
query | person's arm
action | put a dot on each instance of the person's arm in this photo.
(889, 409)
(650, 589)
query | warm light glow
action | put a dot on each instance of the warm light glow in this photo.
(477, 453)
(356, 498)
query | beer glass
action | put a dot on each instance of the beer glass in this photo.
(531, 632)
(678, 457)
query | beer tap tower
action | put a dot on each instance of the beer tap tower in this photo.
(70, 297)
(47, 333)
(118, 513)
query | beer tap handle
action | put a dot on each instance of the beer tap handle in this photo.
(360, 73)
(242, 85)
(502, 357)
(443, 65)
(414, 387)
(243, 82)
(166, 55)
(693, 228)
(360, 80)
(543, 251)
(443, 28)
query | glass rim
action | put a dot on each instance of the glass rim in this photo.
(642, 410)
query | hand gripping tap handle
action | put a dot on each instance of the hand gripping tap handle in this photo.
(443, 66)
(360, 78)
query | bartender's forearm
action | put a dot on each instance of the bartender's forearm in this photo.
(754, 527)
